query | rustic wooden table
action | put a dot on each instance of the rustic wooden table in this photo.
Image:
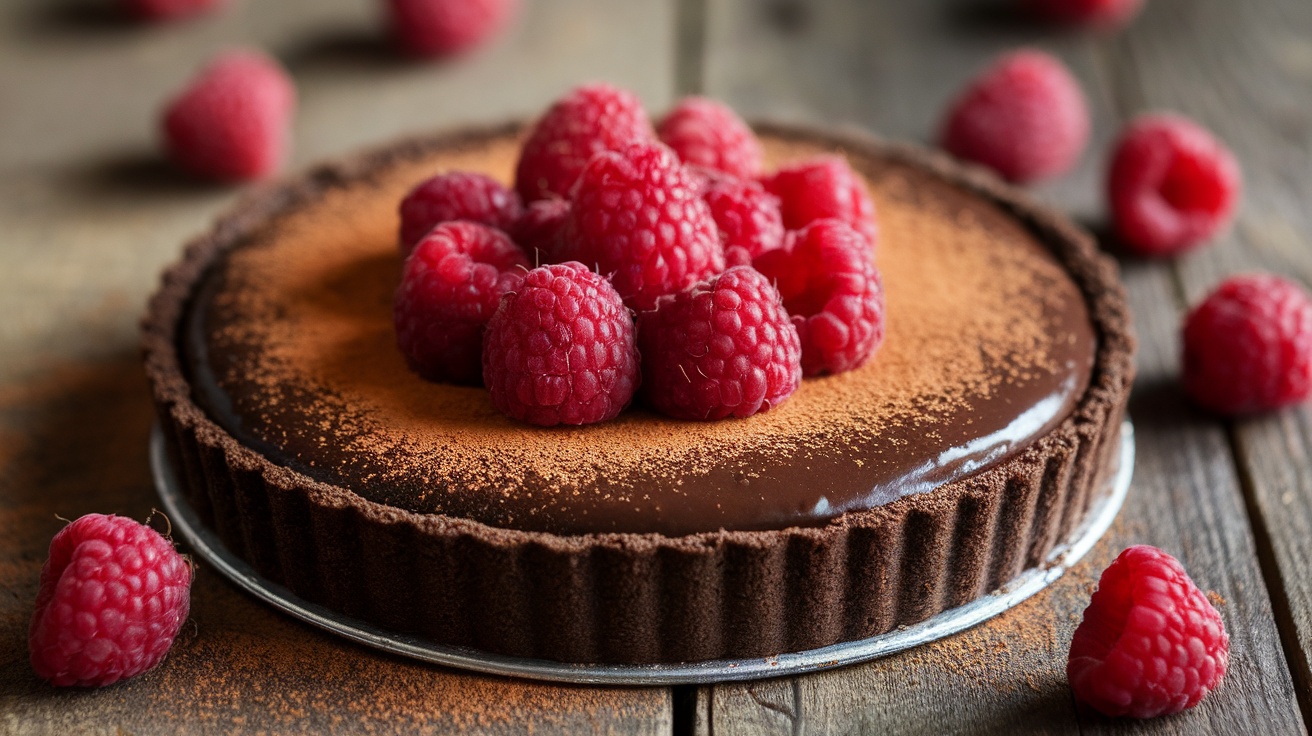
(89, 215)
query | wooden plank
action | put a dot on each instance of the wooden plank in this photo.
(1256, 97)
(892, 70)
(89, 214)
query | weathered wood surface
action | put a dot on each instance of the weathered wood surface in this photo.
(892, 67)
(89, 215)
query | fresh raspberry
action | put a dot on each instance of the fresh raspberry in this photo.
(432, 28)
(747, 217)
(113, 595)
(724, 347)
(1171, 186)
(590, 119)
(1150, 643)
(169, 9)
(232, 122)
(450, 288)
(560, 349)
(1098, 13)
(822, 187)
(707, 133)
(1248, 346)
(831, 288)
(637, 218)
(538, 230)
(1024, 117)
(457, 195)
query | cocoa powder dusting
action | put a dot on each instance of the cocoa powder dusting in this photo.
(306, 335)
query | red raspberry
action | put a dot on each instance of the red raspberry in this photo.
(1171, 186)
(538, 230)
(232, 121)
(707, 133)
(637, 217)
(1101, 13)
(1024, 117)
(457, 195)
(169, 9)
(724, 347)
(431, 28)
(450, 288)
(585, 122)
(113, 595)
(831, 288)
(560, 349)
(1150, 643)
(747, 217)
(1248, 346)
(822, 187)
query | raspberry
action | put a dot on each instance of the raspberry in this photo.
(1150, 643)
(450, 288)
(232, 121)
(1024, 117)
(724, 347)
(538, 230)
(637, 217)
(113, 595)
(747, 217)
(822, 187)
(1248, 346)
(585, 122)
(1100, 13)
(832, 290)
(707, 133)
(560, 349)
(431, 28)
(458, 195)
(169, 9)
(1171, 186)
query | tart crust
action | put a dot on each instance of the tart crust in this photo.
(636, 598)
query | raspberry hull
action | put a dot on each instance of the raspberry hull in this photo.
(1150, 644)
(722, 348)
(113, 595)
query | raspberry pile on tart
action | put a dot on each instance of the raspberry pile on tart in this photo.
(943, 406)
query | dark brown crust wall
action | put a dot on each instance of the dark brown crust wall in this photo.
(645, 597)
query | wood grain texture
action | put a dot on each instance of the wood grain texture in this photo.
(88, 216)
(1255, 97)
(892, 67)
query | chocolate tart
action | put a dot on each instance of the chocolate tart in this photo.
(970, 446)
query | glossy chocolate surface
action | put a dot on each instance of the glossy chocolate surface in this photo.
(989, 346)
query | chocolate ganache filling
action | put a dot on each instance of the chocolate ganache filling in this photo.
(989, 345)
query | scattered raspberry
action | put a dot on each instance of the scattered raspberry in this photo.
(831, 288)
(724, 347)
(432, 28)
(113, 595)
(1098, 13)
(585, 122)
(450, 288)
(232, 122)
(458, 195)
(1248, 346)
(822, 187)
(747, 217)
(560, 349)
(538, 230)
(1172, 185)
(169, 9)
(707, 133)
(637, 217)
(1024, 117)
(1150, 643)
